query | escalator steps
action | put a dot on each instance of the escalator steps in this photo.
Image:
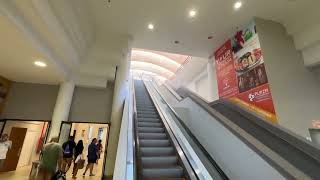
(158, 157)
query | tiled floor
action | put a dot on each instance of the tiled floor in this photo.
(23, 173)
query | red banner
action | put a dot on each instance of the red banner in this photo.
(241, 73)
(226, 76)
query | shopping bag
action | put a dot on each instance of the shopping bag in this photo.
(80, 163)
(78, 158)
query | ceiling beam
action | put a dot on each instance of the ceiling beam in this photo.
(45, 11)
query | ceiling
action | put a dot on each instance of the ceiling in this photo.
(17, 56)
(85, 40)
(215, 18)
(158, 63)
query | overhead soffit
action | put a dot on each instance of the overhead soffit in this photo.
(161, 63)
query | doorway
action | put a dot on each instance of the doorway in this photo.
(27, 138)
(86, 131)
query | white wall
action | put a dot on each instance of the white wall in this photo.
(200, 86)
(295, 90)
(28, 152)
(228, 150)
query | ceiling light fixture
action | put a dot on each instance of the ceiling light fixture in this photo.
(40, 64)
(237, 5)
(150, 26)
(192, 13)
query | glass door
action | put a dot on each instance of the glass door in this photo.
(64, 132)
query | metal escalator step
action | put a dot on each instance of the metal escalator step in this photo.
(148, 116)
(152, 136)
(164, 161)
(157, 151)
(150, 130)
(151, 111)
(141, 119)
(154, 143)
(150, 124)
(170, 172)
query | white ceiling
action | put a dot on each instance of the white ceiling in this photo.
(215, 18)
(17, 56)
(85, 40)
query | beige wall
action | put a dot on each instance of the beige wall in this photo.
(295, 90)
(91, 104)
(30, 101)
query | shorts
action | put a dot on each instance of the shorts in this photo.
(67, 160)
(92, 160)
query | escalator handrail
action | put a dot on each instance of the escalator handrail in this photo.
(205, 152)
(131, 169)
(294, 140)
(309, 152)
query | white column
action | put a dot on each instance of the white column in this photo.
(211, 79)
(62, 108)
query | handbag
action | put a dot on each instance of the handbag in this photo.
(80, 163)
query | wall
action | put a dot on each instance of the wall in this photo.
(294, 88)
(28, 152)
(30, 101)
(200, 86)
(90, 104)
(228, 150)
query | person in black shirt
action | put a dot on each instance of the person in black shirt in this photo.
(68, 151)
(77, 152)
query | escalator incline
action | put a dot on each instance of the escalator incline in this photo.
(157, 157)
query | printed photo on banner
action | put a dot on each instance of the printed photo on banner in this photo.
(241, 72)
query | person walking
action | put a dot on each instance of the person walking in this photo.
(51, 159)
(92, 156)
(5, 145)
(77, 154)
(100, 148)
(68, 151)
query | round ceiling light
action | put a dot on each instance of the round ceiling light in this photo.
(237, 5)
(192, 13)
(150, 26)
(40, 64)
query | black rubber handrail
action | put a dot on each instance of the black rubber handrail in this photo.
(195, 140)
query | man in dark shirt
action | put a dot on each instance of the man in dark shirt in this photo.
(68, 151)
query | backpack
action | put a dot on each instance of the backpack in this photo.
(66, 150)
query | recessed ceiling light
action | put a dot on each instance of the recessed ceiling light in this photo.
(150, 26)
(192, 13)
(40, 64)
(237, 5)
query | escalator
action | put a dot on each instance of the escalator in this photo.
(156, 154)
(178, 135)
(296, 152)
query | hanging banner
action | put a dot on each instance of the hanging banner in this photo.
(226, 76)
(241, 73)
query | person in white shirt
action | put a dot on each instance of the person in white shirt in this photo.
(5, 145)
